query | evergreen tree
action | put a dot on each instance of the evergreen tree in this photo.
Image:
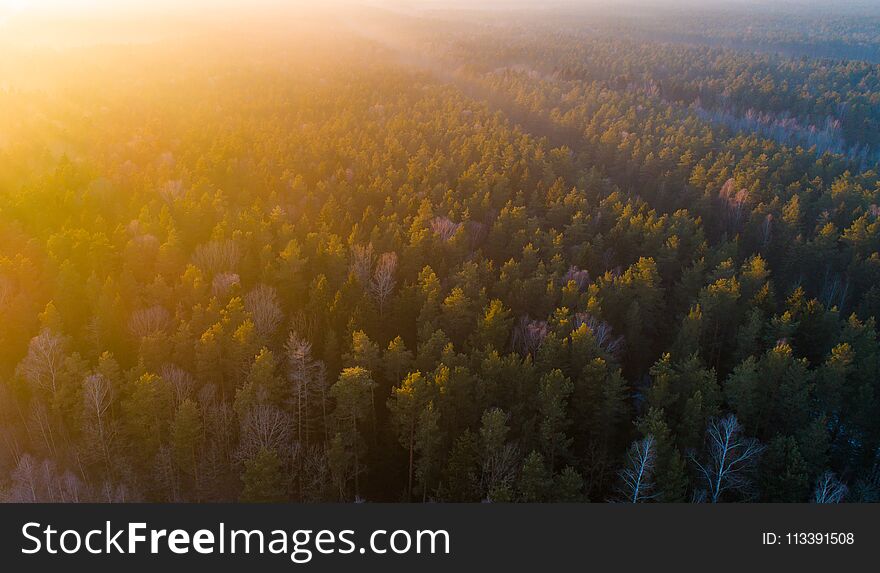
(534, 480)
(352, 392)
(263, 478)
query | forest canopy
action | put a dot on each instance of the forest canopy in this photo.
(443, 256)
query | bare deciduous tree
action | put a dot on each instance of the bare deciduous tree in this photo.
(181, 382)
(218, 418)
(767, 230)
(477, 233)
(166, 474)
(71, 488)
(314, 475)
(36, 481)
(223, 283)
(580, 277)
(264, 427)
(142, 244)
(829, 489)
(262, 304)
(48, 479)
(171, 190)
(500, 468)
(218, 256)
(42, 365)
(307, 377)
(24, 478)
(444, 228)
(151, 321)
(118, 493)
(96, 395)
(303, 324)
(97, 399)
(382, 284)
(40, 425)
(11, 447)
(733, 201)
(730, 456)
(637, 476)
(602, 332)
(361, 264)
(528, 335)
(500, 458)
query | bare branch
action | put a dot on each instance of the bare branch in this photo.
(264, 427)
(181, 382)
(383, 282)
(262, 304)
(218, 256)
(730, 456)
(223, 283)
(41, 366)
(361, 264)
(152, 321)
(637, 477)
(829, 489)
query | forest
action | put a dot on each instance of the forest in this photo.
(445, 256)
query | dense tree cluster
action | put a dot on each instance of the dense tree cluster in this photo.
(831, 106)
(520, 267)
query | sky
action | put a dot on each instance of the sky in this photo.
(62, 6)
(82, 6)
(66, 8)
(75, 9)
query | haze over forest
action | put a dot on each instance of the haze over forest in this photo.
(439, 251)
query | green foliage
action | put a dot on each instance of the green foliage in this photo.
(493, 328)
(554, 390)
(263, 478)
(329, 277)
(461, 477)
(353, 395)
(535, 481)
(186, 436)
(785, 476)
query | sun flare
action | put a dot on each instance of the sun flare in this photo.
(418, 251)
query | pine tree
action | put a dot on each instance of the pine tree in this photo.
(186, 441)
(427, 446)
(263, 478)
(568, 486)
(494, 327)
(405, 406)
(461, 477)
(534, 481)
(553, 393)
(784, 474)
(352, 392)
(499, 456)
(397, 360)
(671, 470)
